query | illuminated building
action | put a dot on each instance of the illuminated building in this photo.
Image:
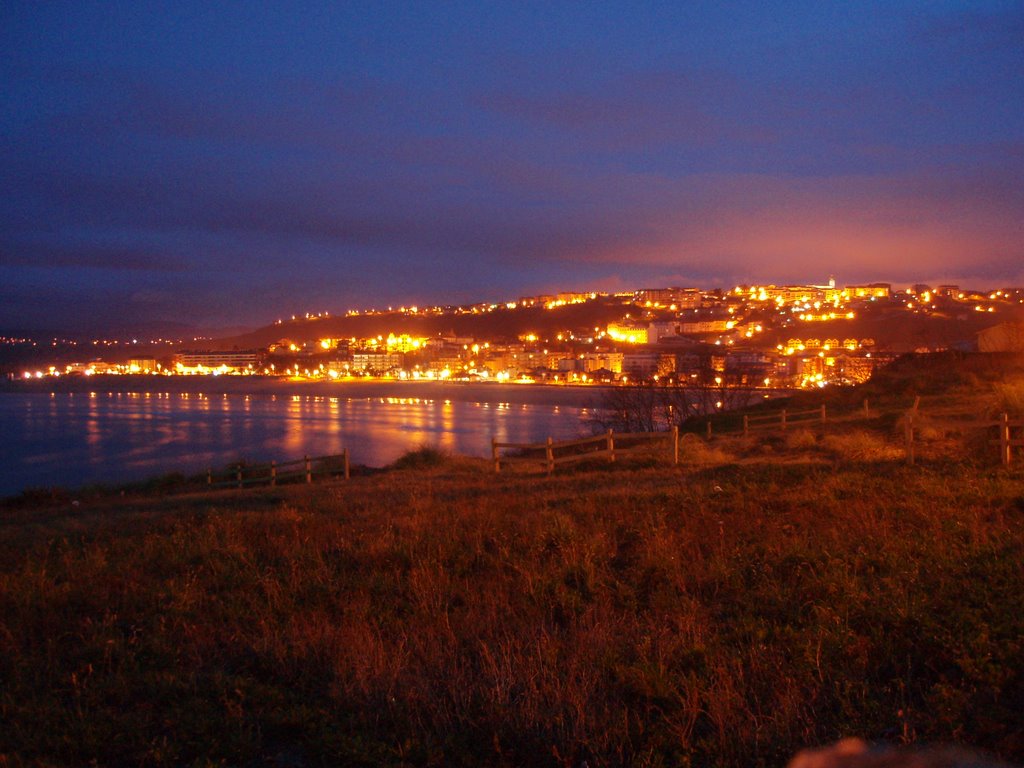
(237, 360)
(380, 362)
(574, 298)
(675, 298)
(448, 361)
(787, 294)
(640, 364)
(704, 326)
(871, 290)
(661, 330)
(750, 368)
(404, 343)
(609, 361)
(142, 364)
(283, 345)
(628, 333)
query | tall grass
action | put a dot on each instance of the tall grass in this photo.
(422, 457)
(1009, 397)
(861, 446)
(637, 617)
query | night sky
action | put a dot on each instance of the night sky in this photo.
(218, 164)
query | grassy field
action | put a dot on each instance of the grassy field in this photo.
(767, 594)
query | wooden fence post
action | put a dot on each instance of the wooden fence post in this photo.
(867, 413)
(549, 455)
(494, 455)
(611, 447)
(746, 425)
(675, 444)
(823, 419)
(239, 474)
(783, 419)
(345, 454)
(273, 473)
(709, 429)
(309, 470)
(1004, 439)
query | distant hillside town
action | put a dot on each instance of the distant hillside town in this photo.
(763, 336)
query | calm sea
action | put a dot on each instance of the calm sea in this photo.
(71, 439)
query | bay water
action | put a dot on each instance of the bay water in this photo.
(73, 439)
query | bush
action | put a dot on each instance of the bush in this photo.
(693, 450)
(423, 457)
(859, 445)
(37, 496)
(800, 440)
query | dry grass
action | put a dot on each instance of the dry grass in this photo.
(800, 440)
(696, 452)
(1009, 398)
(632, 616)
(423, 457)
(860, 445)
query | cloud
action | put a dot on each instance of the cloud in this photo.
(639, 110)
(88, 256)
(887, 228)
(694, 148)
(769, 226)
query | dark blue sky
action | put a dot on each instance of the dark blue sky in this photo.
(225, 163)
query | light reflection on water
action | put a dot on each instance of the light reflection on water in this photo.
(69, 439)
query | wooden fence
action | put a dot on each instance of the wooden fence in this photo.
(549, 454)
(586, 448)
(786, 418)
(298, 470)
(1009, 433)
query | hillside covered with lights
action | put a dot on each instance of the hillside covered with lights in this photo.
(896, 322)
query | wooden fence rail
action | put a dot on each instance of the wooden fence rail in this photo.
(784, 419)
(1009, 435)
(1006, 439)
(603, 445)
(304, 470)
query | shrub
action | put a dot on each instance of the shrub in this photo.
(423, 457)
(800, 440)
(693, 450)
(859, 445)
(167, 483)
(41, 496)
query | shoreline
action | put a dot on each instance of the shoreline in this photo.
(579, 396)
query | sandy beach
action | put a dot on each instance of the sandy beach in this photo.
(587, 396)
